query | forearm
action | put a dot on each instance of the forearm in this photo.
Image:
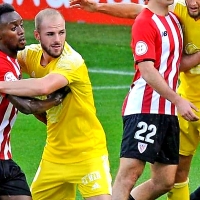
(25, 87)
(123, 10)
(189, 61)
(28, 105)
(157, 82)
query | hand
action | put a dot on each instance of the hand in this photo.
(88, 5)
(59, 95)
(185, 109)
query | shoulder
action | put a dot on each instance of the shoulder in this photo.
(145, 19)
(179, 6)
(5, 60)
(179, 3)
(33, 48)
(30, 50)
(145, 16)
(144, 23)
(70, 57)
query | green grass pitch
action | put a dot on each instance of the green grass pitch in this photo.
(107, 53)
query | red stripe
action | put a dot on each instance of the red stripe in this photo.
(146, 103)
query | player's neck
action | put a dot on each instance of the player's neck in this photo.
(12, 54)
(45, 59)
(158, 9)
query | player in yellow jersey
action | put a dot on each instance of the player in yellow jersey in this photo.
(189, 13)
(75, 154)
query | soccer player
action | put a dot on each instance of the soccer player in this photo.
(75, 154)
(189, 13)
(13, 184)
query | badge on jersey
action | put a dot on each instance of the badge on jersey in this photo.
(9, 76)
(141, 48)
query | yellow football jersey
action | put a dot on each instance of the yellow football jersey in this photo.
(189, 81)
(74, 132)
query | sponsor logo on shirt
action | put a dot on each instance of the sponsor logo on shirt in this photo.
(164, 33)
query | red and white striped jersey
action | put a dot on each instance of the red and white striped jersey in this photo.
(158, 39)
(9, 71)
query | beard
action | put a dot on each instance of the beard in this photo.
(194, 15)
(50, 51)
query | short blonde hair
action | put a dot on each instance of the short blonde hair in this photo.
(43, 14)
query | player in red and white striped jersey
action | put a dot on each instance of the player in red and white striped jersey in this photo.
(12, 179)
(10, 71)
(151, 129)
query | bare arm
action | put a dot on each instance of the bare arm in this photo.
(29, 105)
(34, 86)
(123, 10)
(156, 81)
(189, 61)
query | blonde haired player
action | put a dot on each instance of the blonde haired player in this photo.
(75, 154)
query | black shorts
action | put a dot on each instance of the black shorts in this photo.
(12, 180)
(151, 138)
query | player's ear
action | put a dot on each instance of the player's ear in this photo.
(36, 35)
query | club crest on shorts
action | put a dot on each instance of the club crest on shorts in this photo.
(142, 147)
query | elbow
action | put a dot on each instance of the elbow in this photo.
(44, 91)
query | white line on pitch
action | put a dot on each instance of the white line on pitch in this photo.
(110, 87)
(100, 71)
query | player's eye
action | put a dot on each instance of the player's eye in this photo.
(50, 34)
(13, 28)
(22, 26)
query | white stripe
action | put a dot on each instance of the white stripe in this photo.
(135, 93)
(163, 61)
(16, 66)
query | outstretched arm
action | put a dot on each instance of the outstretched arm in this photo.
(123, 10)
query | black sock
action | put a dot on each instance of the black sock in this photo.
(130, 197)
(195, 195)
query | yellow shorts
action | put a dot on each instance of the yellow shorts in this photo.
(189, 135)
(55, 181)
